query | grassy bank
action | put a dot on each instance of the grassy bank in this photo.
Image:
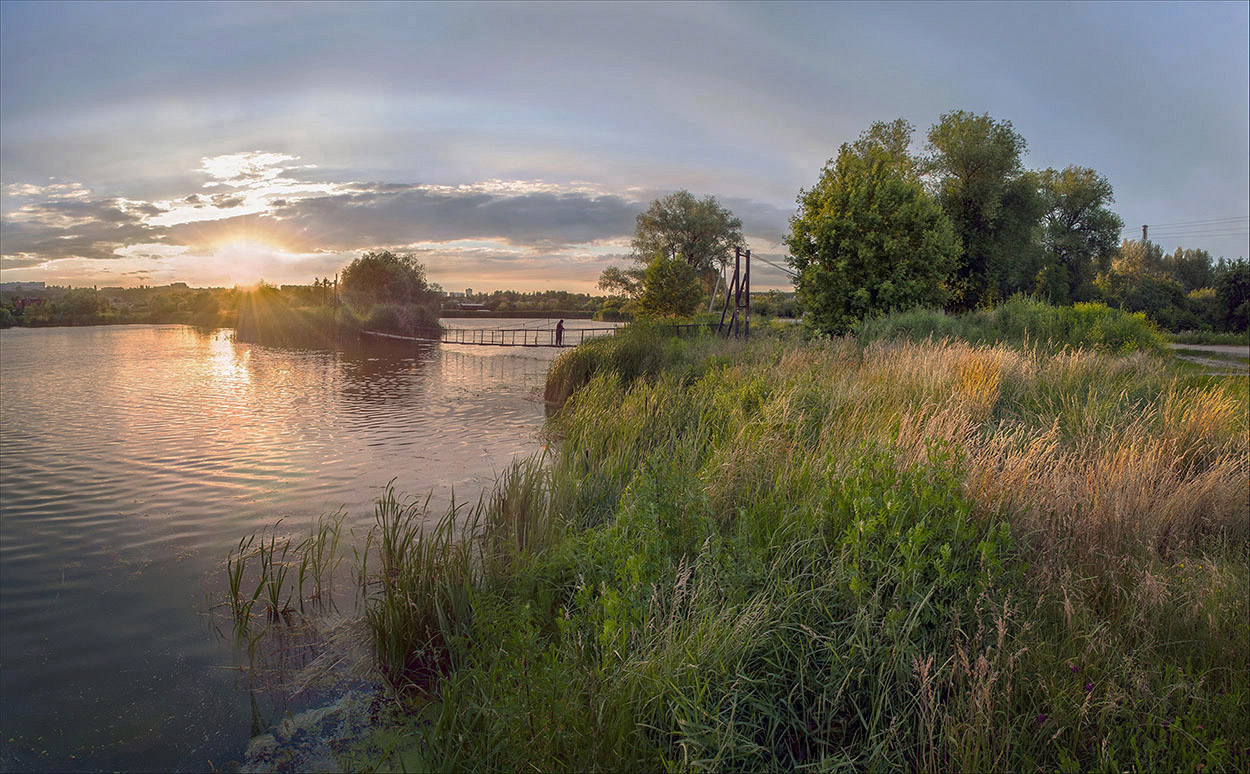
(782, 555)
(1023, 322)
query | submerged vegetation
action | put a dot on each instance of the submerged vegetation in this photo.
(874, 553)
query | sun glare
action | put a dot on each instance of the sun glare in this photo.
(247, 260)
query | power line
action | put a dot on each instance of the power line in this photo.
(775, 266)
(1182, 237)
(1196, 233)
(1200, 229)
(1197, 222)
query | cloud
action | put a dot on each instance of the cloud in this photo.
(565, 231)
(240, 169)
(69, 223)
(226, 201)
(396, 215)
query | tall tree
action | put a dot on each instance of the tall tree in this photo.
(385, 278)
(1192, 268)
(975, 169)
(670, 288)
(1137, 257)
(625, 283)
(867, 238)
(699, 231)
(1079, 232)
(1232, 286)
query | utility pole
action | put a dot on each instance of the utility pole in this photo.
(1143, 233)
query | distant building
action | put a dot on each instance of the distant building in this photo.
(464, 307)
(13, 287)
(468, 291)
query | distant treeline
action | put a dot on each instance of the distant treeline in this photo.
(176, 303)
(219, 307)
(553, 301)
(567, 314)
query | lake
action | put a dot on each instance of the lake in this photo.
(133, 458)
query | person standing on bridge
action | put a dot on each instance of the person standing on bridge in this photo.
(560, 334)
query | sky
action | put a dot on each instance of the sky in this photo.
(511, 145)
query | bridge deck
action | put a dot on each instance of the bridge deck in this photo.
(504, 337)
(522, 337)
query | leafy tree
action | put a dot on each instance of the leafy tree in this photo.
(1233, 288)
(699, 231)
(974, 164)
(1079, 232)
(891, 139)
(1192, 268)
(670, 288)
(1205, 303)
(384, 278)
(1137, 257)
(626, 283)
(867, 239)
(82, 304)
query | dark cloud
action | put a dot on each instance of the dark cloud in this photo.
(226, 201)
(192, 199)
(72, 228)
(397, 214)
(54, 211)
(146, 209)
(19, 261)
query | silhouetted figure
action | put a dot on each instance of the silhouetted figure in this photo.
(560, 334)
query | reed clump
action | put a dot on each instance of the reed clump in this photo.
(889, 555)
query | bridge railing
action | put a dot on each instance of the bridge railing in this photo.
(540, 337)
(512, 337)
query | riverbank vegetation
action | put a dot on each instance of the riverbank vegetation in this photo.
(837, 553)
(379, 291)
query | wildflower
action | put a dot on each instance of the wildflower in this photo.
(1073, 667)
(1040, 719)
(1089, 687)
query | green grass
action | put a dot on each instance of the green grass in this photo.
(846, 554)
(1021, 321)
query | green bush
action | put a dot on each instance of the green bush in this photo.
(1022, 321)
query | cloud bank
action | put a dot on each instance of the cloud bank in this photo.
(484, 231)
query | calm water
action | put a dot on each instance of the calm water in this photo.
(132, 458)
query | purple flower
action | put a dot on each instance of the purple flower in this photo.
(1039, 719)
(1073, 667)
(1089, 687)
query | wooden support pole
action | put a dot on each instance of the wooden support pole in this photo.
(746, 323)
(729, 292)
